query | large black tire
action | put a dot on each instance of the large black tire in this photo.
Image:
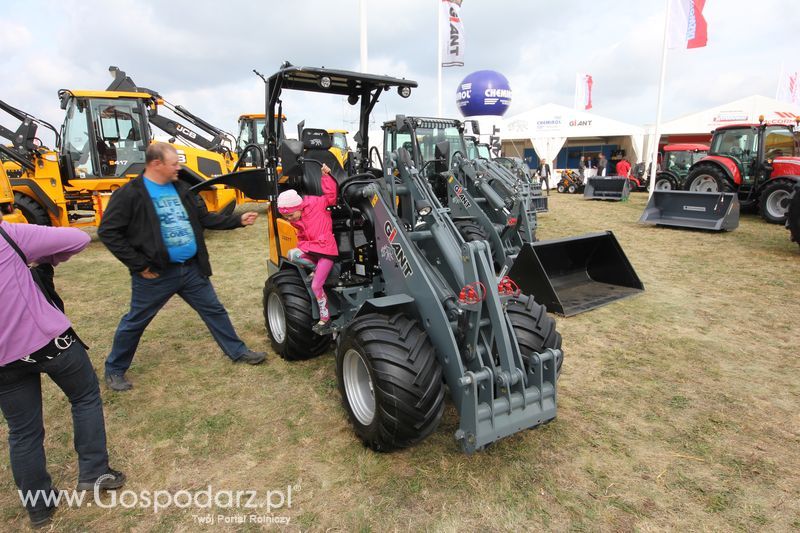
(31, 210)
(390, 381)
(665, 182)
(287, 317)
(793, 218)
(535, 329)
(707, 178)
(471, 231)
(774, 201)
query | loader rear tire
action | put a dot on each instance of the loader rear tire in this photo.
(287, 316)
(561, 188)
(471, 231)
(390, 381)
(534, 328)
(31, 210)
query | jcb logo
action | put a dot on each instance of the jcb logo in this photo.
(186, 131)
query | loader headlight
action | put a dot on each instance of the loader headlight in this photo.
(423, 208)
(325, 82)
(405, 92)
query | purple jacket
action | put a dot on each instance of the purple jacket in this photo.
(27, 320)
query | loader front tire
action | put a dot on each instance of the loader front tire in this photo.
(33, 212)
(390, 381)
(534, 328)
(287, 316)
(471, 231)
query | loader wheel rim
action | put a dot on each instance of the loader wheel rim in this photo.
(358, 387)
(705, 183)
(778, 204)
(276, 316)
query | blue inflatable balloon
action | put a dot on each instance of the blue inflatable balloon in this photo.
(484, 92)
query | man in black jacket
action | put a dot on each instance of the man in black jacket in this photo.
(154, 225)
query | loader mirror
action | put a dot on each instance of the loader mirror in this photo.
(476, 127)
(290, 152)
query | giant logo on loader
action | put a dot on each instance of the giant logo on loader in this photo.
(399, 253)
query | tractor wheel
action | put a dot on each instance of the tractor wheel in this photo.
(707, 178)
(793, 216)
(572, 189)
(31, 210)
(665, 183)
(390, 381)
(287, 316)
(560, 187)
(774, 201)
(471, 231)
(535, 329)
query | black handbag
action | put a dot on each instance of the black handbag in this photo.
(42, 275)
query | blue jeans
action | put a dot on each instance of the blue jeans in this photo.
(148, 296)
(21, 402)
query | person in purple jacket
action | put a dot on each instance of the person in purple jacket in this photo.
(37, 338)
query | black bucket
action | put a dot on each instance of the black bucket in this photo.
(698, 210)
(575, 274)
(600, 188)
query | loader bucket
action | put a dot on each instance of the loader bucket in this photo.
(575, 274)
(599, 188)
(687, 209)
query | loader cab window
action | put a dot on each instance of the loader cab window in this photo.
(76, 139)
(117, 125)
(483, 151)
(429, 137)
(339, 140)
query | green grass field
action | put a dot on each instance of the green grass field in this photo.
(678, 409)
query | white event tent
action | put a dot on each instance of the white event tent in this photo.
(561, 134)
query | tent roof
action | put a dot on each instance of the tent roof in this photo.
(745, 110)
(553, 120)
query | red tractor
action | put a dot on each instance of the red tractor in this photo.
(760, 162)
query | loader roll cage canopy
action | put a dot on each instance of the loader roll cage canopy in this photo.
(362, 89)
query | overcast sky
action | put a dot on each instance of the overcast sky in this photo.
(201, 54)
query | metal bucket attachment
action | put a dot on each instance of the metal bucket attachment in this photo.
(687, 209)
(599, 188)
(539, 204)
(575, 274)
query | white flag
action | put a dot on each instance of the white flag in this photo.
(789, 87)
(452, 33)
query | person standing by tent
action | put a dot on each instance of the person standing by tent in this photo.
(623, 167)
(582, 167)
(601, 164)
(544, 175)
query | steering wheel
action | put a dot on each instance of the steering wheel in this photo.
(456, 159)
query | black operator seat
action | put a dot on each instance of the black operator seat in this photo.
(316, 146)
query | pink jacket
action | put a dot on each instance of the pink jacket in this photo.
(315, 227)
(623, 168)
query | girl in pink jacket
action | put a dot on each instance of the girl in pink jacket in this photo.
(316, 246)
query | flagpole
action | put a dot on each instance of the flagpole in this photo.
(439, 60)
(362, 9)
(657, 132)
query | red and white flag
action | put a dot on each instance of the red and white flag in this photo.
(789, 87)
(452, 34)
(687, 26)
(583, 91)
